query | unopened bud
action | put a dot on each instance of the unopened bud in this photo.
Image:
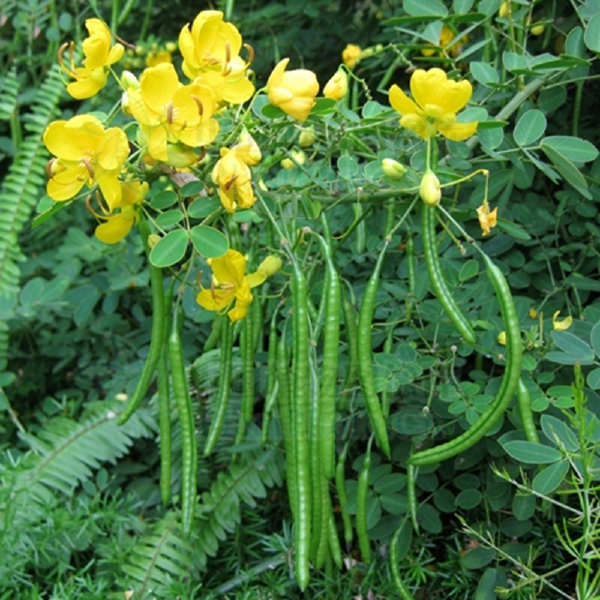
(504, 10)
(502, 338)
(171, 46)
(337, 87)
(392, 168)
(129, 80)
(537, 30)
(307, 137)
(270, 265)
(430, 190)
(153, 239)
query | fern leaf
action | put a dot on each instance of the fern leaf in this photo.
(9, 90)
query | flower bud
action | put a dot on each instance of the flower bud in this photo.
(129, 80)
(171, 47)
(502, 338)
(248, 149)
(561, 325)
(307, 137)
(392, 168)
(351, 55)
(337, 87)
(287, 163)
(153, 239)
(537, 30)
(270, 265)
(430, 190)
(504, 10)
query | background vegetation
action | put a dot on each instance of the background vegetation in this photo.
(80, 507)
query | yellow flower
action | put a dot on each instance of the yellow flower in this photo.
(430, 190)
(170, 112)
(86, 153)
(351, 55)
(504, 10)
(337, 87)
(561, 325)
(437, 99)
(392, 168)
(210, 50)
(99, 55)
(487, 219)
(293, 91)
(229, 284)
(537, 30)
(233, 176)
(533, 313)
(157, 58)
(502, 338)
(118, 225)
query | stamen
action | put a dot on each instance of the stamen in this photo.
(88, 165)
(61, 60)
(100, 201)
(49, 168)
(199, 103)
(228, 67)
(250, 54)
(170, 113)
(230, 183)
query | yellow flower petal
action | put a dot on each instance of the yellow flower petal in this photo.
(458, 132)
(561, 325)
(256, 278)
(157, 85)
(115, 229)
(229, 268)
(401, 102)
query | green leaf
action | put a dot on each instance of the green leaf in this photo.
(469, 499)
(429, 518)
(559, 433)
(395, 504)
(572, 148)
(514, 62)
(571, 344)
(565, 167)
(532, 453)
(484, 73)
(42, 218)
(163, 199)
(592, 34)
(347, 166)
(202, 207)
(209, 242)
(411, 422)
(514, 230)
(477, 558)
(462, 7)
(487, 585)
(169, 218)
(468, 270)
(429, 8)
(192, 188)
(562, 358)
(546, 481)
(530, 127)
(391, 483)
(593, 379)
(170, 249)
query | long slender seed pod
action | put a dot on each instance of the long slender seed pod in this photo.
(157, 339)
(367, 380)
(317, 480)
(361, 507)
(351, 321)
(323, 550)
(340, 486)
(510, 379)
(395, 564)
(327, 394)
(411, 489)
(526, 415)
(270, 403)
(224, 390)
(436, 277)
(386, 395)
(186, 420)
(247, 352)
(284, 405)
(301, 403)
(215, 333)
(164, 408)
(411, 267)
(334, 540)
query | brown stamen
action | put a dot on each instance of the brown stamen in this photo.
(170, 113)
(199, 103)
(228, 67)
(88, 165)
(61, 59)
(250, 54)
(101, 204)
(49, 165)
(230, 182)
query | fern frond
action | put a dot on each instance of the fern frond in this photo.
(164, 555)
(66, 452)
(9, 90)
(20, 189)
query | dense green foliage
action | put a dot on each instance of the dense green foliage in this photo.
(514, 516)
